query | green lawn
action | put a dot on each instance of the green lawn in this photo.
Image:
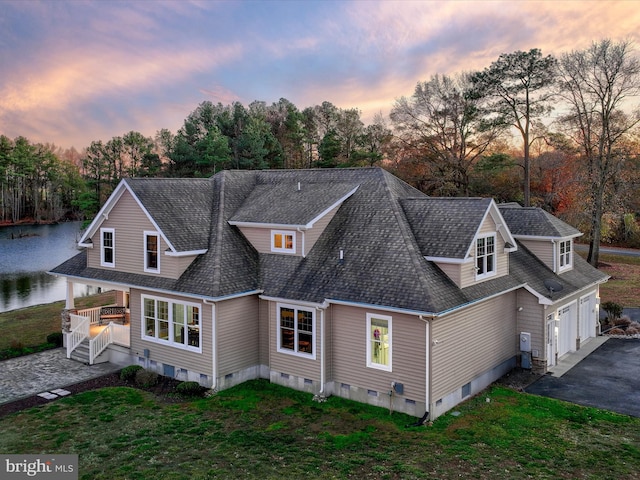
(260, 430)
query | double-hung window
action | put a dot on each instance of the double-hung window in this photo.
(283, 241)
(107, 247)
(296, 330)
(485, 256)
(565, 259)
(151, 246)
(171, 322)
(379, 341)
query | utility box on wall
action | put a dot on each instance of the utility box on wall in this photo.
(525, 350)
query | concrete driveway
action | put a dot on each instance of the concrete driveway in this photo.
(608, 378)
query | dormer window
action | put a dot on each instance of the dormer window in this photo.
(565, 259)
(283, 241)
(107, 247)
(151, 259)
(486, 256)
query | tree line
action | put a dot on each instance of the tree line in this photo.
(559, 133)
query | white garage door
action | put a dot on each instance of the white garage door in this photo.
(587, 317)
(567, 330)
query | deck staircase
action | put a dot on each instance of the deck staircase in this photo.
(81, 352)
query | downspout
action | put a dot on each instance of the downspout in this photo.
(322, 350)
(427, 380)
(302, 246)
(214, 346)
(555, 255)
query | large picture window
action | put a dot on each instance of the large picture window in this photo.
(565, 254)
(171, 322)
(283, 241)
(296, 330)
(379, 341)
(485, 256)
(151, 259)
(108, 247)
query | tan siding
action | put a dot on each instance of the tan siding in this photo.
(348, 351)
(532, 319)
(472, 342)
(543, 249)
(292, 364)
(179, 358)
(312, 235)
(468, 271)
(263, 332)
(260, 238)
(237, 334)
(453, 271)
(130, 222)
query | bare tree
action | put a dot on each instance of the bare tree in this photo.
(444, 122)
(596, 83)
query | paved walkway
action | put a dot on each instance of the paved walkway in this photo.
(45, 371)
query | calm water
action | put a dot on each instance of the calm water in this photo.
(26, 254)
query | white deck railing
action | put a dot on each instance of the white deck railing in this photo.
(120, 334)
(77, 333)
(92, 313)
(98, 343)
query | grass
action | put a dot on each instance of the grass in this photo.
(261, 430)
(30, 326)
(624, 285)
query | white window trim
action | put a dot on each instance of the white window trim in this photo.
(283, 232)
(480, 276)
(370, 364)
(569, 256)
(113, 247)
(295, 352)
(147, 269)
(169, 342)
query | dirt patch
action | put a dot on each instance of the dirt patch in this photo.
(518, 379)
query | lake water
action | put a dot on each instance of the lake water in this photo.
(26, 254)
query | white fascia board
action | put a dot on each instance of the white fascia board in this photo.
(383, 308)
(454, 261)
(502, 228)
(170, 253)
(547, 238)
(302, 303)
(112, 202)
(86, 245)
(339, 202)
(542, 299)
(277, 226)
(103, 213)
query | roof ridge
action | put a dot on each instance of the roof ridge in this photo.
(407, 235)
(217, 238)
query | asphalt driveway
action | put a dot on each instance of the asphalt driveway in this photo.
(609, 378)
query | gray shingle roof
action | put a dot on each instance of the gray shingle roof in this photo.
(285, 204)
(180, 206)
(535, 222)
(445, 227)
(384, 229)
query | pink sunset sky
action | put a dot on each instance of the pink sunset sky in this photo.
(76, 71)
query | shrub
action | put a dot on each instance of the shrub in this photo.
(190, 388)
(129, 373)
(613, 309)
(622, 321)
(55, 338)
(146, 378)
(632, 330)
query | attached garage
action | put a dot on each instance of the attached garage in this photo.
(587, 319)
(567, 329)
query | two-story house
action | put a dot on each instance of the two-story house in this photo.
(344, 282)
